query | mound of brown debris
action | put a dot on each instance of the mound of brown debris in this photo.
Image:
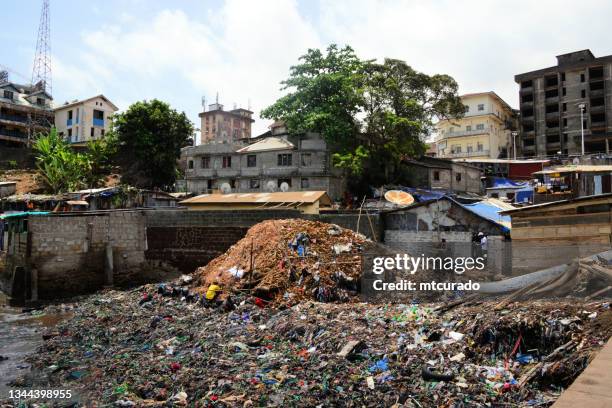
(293, 258)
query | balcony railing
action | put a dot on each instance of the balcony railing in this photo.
(466, 133)
(13, 133)
(68, 122)
(470, 154)
(14, 118)
(98, 122)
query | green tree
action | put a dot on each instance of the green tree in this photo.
(326, 96)
(61, 168)
(400, 108)
(372, 115)
(150, 135)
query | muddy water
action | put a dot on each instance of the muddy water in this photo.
(20, 335)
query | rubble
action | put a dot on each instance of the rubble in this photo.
(152, 347)
(291, 260)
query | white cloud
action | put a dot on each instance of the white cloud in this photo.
(245, 48)
(241, 51)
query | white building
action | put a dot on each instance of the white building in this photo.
(85, 120)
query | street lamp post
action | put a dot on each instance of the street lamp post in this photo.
(582, 106)
(514, 134)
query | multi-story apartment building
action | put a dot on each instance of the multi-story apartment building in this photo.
(84, 120)
(271, 162)
(483, 132)
(229, 126)
(25, 110)
(558, 102)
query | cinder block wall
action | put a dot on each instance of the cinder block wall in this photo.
(68, 251)
(189, 239)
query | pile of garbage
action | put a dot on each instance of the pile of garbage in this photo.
(158, 346)
(291, 260)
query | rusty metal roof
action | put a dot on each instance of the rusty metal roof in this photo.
(307, 197)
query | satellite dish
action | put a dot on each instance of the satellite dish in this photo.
(271, 186)
(226, 188)
(399, 197)
(284, 186)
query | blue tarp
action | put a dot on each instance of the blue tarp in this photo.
(489, 211)
(421, 195)
(22, 214)
(501, 182)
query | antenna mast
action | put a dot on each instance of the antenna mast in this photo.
(41, 71)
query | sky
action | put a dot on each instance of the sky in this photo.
(179, 51)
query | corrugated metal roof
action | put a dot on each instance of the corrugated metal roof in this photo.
(267, 144)
(580, 168)
(261, 198)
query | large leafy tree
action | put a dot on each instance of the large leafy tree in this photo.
(400, 108)
(326, 94)
(371, 114)
(150, 135)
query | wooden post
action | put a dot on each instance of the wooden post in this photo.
(108, 265)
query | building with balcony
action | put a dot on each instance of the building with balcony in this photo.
(550, 106)
(81, 121)
(272, 162)
(225, 126)
(483, 132)
(25, 110)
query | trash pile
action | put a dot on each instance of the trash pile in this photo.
(158, 346)
(291, 260)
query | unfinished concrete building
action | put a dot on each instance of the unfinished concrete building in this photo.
(551, 101)
(25, 110)
(225, 126)
(274, 161)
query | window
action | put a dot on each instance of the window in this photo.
(281, 181)
(436, 175)
(468, 128)
(562, 76)
(69, 115)
(102, 132)
(480, 126)
(457, 149)
(470, 149)
(91, 132)
(564, 107)
(480, 147)
(251, 160)
(98, 114)
(458, 177)
(467, 108)
(305, 183)
(564, 122)
(583, 94)
(69, 133)
(306, 159)
(254, 184)
(564, 90)
(190, 164)
(40, 101)
(205, 162)
(8, 94)
(284, 159)
(582, 77)
(77, 116)
(481, 106)
(227, 162)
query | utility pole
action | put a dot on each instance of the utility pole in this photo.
(514, 134)
(582, 106)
